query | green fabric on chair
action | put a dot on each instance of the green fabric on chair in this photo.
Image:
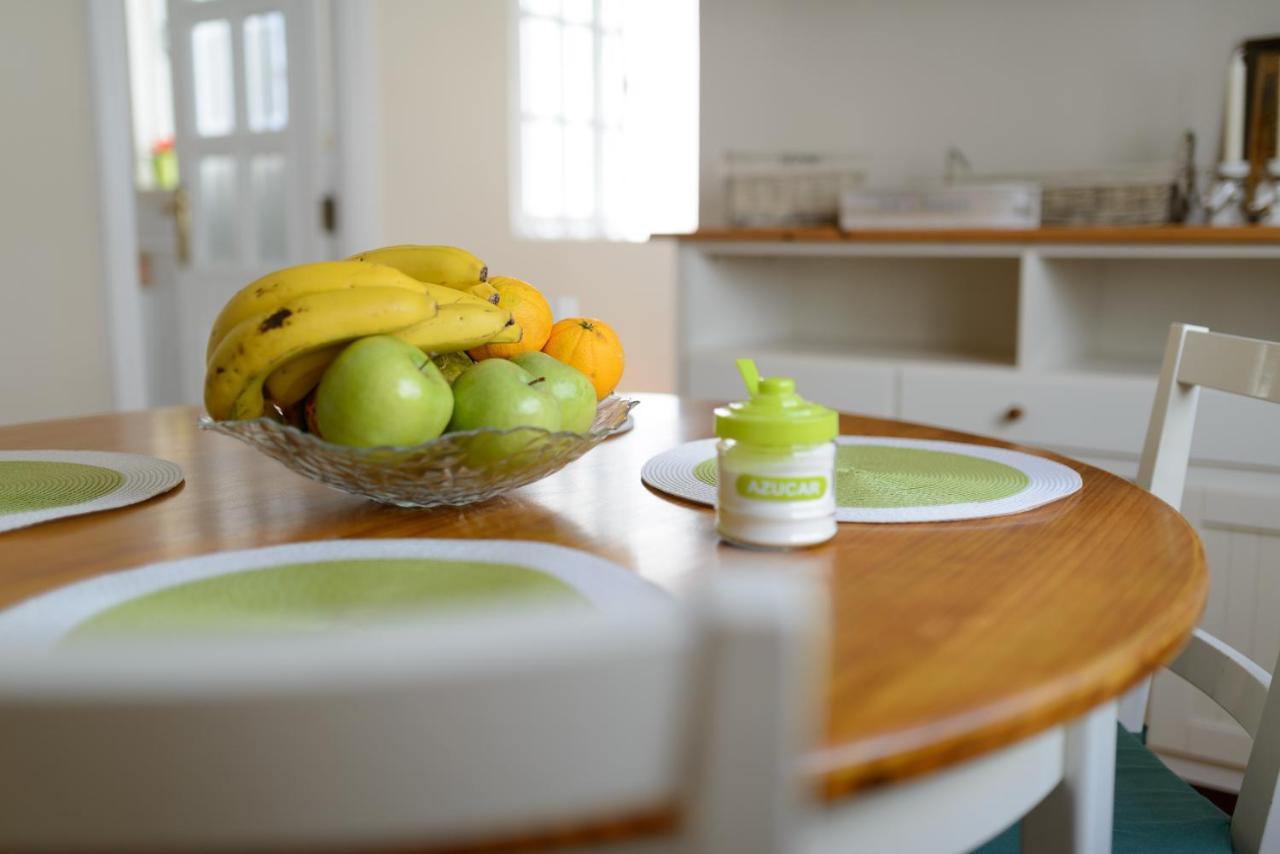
(1155, 812)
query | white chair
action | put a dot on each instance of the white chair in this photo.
(482, 727)
(1154, 810)
(1195, 357)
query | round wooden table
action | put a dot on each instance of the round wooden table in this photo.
(949, 640)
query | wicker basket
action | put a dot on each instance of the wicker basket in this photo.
(781, 190)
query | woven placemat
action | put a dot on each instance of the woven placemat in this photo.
(37, 486)
(316, 586)
(887, 479)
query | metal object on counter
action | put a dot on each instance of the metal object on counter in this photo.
(1225, 204)
(1009, 204)
(1264, 207)
(1186, 206)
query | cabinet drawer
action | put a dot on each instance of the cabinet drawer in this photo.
(1096, 413)
(1100, 413)
(853, 388)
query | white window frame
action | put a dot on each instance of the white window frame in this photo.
(597, 226)
(655, 186)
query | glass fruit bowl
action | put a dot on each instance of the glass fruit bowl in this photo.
(456, 469)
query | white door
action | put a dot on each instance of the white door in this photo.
(253, 136)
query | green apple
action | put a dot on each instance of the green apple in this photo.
(382, 391)
(498, 393)
(568, 385)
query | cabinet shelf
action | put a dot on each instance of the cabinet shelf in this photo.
(1140, 242)
(1173, 235)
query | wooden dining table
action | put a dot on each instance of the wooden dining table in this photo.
(949, 641)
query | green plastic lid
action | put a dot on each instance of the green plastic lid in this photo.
(775, 415)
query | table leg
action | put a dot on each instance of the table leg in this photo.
(1075, 818)
(1132, 707)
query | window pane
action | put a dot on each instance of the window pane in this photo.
(267, 178)
(580, 174)
(613, 173)
(579, 11)
(211, 77)
(611, 14)
(612, 82)
(540, 67)
(579, 71)
(542, 168)
(266, 72)
(541, 7)
(216, 215)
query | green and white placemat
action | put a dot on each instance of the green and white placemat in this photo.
(36, 486)
(306, 587)
(887, 479)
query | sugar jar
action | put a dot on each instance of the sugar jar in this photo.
(776, 462)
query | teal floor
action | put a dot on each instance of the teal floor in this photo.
(1155, 811)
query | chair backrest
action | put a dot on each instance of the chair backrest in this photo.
(488, 725)
(1196, 357)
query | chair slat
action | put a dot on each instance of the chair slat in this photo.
(1163, 469)
(1244, 366)
(1228, 677)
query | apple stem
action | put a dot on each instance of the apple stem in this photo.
(538, 380)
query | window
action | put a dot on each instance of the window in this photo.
(151, 95)
(606, 118)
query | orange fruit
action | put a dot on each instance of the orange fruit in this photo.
(592, 347)
(529, 308)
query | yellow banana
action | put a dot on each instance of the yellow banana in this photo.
(444, 265)
(275, 289)
(460, 326)
(293, 380)
(258, 345)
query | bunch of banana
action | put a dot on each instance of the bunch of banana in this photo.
(460, 324)
(442, 265)
(275, 289)
(283, 330)
(258, 345)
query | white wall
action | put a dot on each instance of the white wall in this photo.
(1016, 84)
(53, 355)
(444, 72)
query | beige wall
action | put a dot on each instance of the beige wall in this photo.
(53, 356)
(444, 77)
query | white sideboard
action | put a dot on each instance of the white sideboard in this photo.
(1050, 337)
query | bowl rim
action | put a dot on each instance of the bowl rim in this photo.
(205, 422)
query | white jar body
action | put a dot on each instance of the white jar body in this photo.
(776, 497)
